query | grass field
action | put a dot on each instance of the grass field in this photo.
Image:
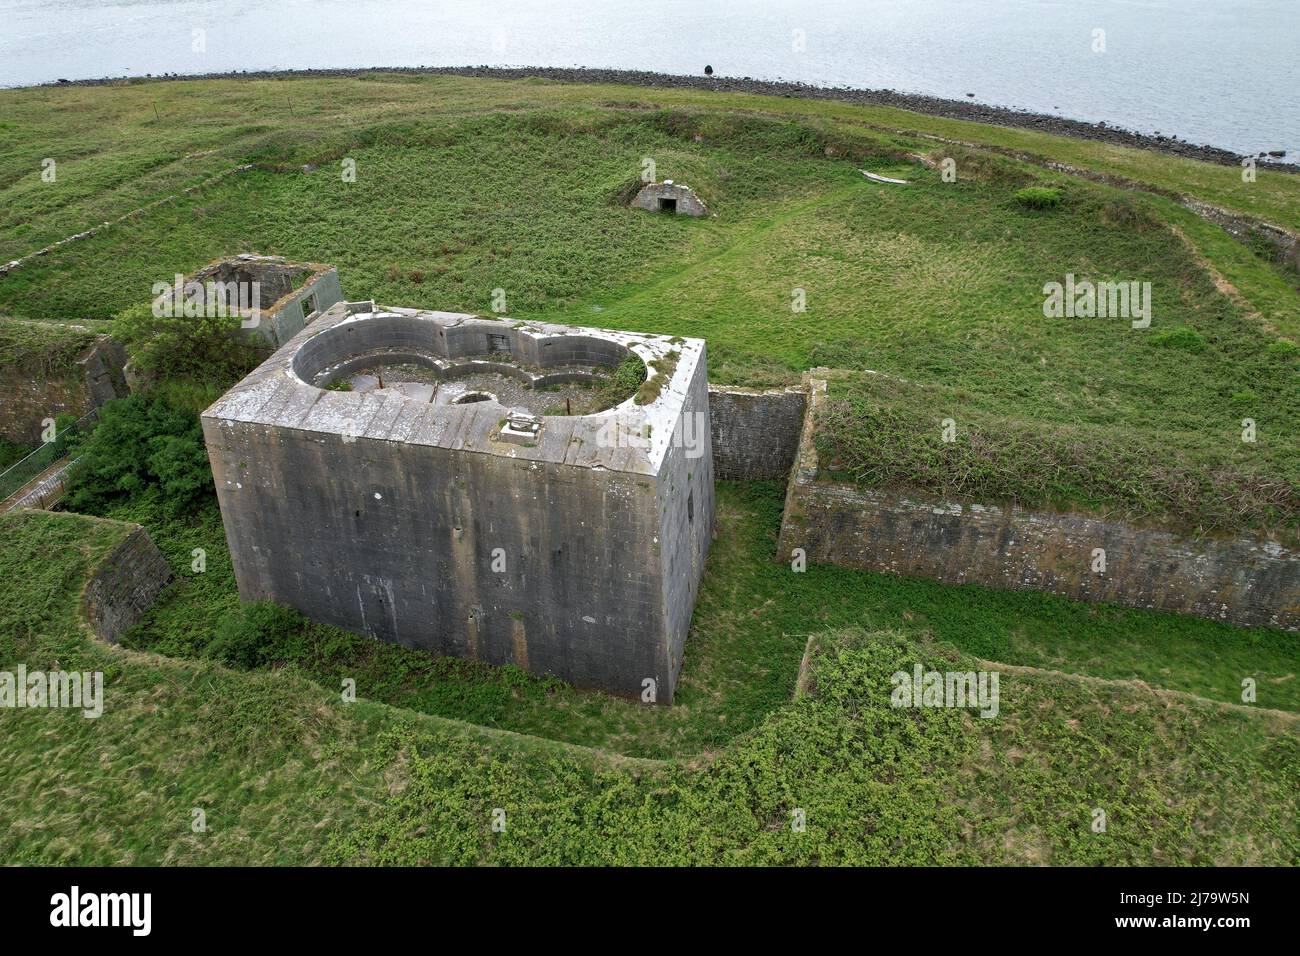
(129, 144)
(936, 283)
(747, 636)
(286, 772)
(467, 186)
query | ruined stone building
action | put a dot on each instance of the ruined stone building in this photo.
(274, 297)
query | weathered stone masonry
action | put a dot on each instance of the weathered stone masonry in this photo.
(124, 586)
(755, 431)
(31, 396)
(669, 196)
(1244, 580)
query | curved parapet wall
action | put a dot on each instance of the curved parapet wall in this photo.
(460, 345)
(634, 436)
(567, 545)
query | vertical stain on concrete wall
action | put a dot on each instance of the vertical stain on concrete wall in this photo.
(474, 649)
(519, 641)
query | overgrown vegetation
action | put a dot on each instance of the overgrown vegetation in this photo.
(272, 759)
(1038, 197)
(141, 445)
(876, 784)
(11, 452)
(46, 349)
(176, 347)
(939, 286)
(889, 433)
(659, 373)
(746, 639)
(289, 773)
(620, 386)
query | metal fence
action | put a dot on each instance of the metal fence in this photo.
(26, 469)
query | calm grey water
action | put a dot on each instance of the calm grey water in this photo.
(1223, 72)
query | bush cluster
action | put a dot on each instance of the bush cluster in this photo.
(139, 445)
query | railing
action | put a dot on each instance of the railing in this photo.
(26, 469)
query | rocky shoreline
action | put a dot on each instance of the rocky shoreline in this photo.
(916, 103)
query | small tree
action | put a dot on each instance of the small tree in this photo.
(178, 346)
(140, 444)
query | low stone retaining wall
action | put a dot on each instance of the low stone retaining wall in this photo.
(29, 396)
(125, 585)
(21, 261)
(1245, 228)
(1244, 580)
(755, 432)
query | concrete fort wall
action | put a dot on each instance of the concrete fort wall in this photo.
(289, 294)
(1244, 580)
(289, 314)
(755, 431)
(577, 553)
(686, 509)
(403, 543)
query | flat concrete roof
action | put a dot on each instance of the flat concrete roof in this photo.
(628, 438)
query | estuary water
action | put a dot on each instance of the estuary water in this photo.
(1220, 72)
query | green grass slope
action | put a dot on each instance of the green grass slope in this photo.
(269, 758)
(746, 640)
(118, 147)
(287, 773)
(878, 785)
(938, 283)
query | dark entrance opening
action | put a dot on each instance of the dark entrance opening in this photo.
(667, 205)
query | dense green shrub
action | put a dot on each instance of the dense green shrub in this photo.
(1039, 197)
(11, 452)
(180, 346)
(138, 445)
(1182, 337)
(620, 386)
(256, 635)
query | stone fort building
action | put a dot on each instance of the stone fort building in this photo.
(426, 478)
